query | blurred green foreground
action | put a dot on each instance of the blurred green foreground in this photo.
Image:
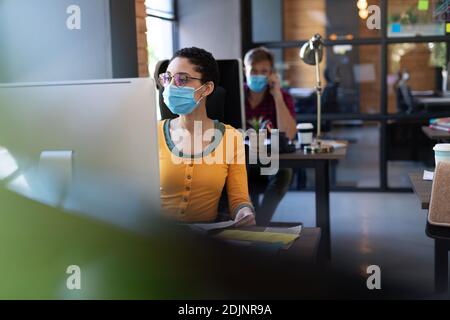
(39, 243)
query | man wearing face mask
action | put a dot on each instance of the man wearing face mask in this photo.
(265, 99)
(194, 150)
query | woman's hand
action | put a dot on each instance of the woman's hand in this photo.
(245, 218)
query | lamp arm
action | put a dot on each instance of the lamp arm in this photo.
(319, 96)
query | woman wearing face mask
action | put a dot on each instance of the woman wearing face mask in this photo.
(198, 156)
(265, 99)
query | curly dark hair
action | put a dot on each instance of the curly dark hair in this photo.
(204, 63)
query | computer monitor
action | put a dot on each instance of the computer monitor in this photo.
(87, 147)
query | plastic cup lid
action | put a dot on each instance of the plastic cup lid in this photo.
(305, 126)
(442, 147)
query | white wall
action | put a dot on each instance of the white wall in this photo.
(36, 45)
(214, 25)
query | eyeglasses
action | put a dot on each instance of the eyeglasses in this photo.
(180, 79)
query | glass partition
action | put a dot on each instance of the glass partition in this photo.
(293, 20)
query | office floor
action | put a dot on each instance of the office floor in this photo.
(381, 229)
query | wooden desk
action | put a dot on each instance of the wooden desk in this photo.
(441, 235)
(337, 154)
(422, 189)
(437, 135)
(306, 247)
(321, 164)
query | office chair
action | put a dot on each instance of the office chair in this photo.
(405, 100)
(330, 95)
(330, 101)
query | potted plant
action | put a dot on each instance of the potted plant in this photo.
(258, 124)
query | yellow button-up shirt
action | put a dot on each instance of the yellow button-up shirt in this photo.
(191, 185)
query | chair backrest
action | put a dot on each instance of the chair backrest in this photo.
(232, 80)
(405, 100)
(215, 104)
(330, 98)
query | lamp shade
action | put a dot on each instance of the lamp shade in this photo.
(308, 50)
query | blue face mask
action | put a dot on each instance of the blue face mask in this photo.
(181, 100)
(257, 83)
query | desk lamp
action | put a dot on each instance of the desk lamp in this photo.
(312, 53)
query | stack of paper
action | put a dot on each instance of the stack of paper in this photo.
(442, 124)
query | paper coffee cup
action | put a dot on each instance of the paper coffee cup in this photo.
(305, 134)
(442, 152)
